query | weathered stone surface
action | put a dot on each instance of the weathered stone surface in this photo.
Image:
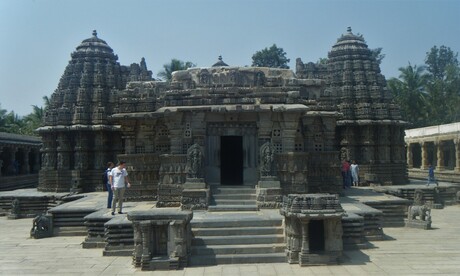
(162, 238)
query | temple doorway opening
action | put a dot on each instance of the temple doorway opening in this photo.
(231, 160)
(316, 235)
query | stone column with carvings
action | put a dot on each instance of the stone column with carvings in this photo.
(424, 147)
(305, 237)
(25, 167)
(457, 154)
(440, 156)
(130, 142)
(290, 124)
(63, 152)
(1, 160)
(13, 159)
(410, 161)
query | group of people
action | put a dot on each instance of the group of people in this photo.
(350, 174)
(116, 181)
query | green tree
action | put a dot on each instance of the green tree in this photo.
(33, 120)
(271, 57)
(443, 98)
(174, 65)
(3, 113)
(409, 91)
(14, 123)
(438, 59)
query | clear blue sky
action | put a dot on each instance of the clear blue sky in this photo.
(38, 36)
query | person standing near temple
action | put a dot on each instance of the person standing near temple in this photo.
(119, 181)
(110, 166)
(431, 176)
(355, 173)
(346, 174)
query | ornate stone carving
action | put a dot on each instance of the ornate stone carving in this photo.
(267, 154)
(42, 227)
(194, 161)
(162, 238)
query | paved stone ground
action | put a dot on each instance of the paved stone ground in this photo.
(405, 252)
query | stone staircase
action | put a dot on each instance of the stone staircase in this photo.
(237, 238)
(233, 199)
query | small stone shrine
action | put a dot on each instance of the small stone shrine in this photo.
(162, 238)
(313, 228)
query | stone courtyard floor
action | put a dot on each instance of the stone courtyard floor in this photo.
(405, 251)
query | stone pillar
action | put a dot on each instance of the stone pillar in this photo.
(129, 144)
(1, 160)
(100, 147)
(410, 161)
(25, 168)
(289, 140)
(457, 155)
(146, 236)
(36, 166)
(63, 161)
(440, 156)
(176, 140)
(305, 238)
(424, 164)
(13, 159)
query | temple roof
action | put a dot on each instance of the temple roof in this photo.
(219, 63)
(349, 43)
(94, 44)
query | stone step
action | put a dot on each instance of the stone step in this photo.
(232, 208)
(234, 196)
(229, 191)
(235, 223)
(242, 239)
(238, 259)
(234, 202)
(235, 231)
(238, 249)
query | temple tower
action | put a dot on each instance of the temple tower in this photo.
(78, 139)
(370, 130)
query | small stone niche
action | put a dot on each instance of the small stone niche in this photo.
(162, 238)
(313, 229)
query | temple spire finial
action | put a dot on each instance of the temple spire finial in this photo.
(349, 29)
(95, 33)
(220, 57)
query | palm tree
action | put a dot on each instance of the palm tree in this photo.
(174, 65)
(410, 93)
(33, 120)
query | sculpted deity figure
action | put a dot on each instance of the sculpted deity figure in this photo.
(266, 159)
(194, 160)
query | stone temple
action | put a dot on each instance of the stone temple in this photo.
(286, 131)
(225, 138)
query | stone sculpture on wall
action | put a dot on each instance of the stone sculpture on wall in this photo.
(266, 159)
(194, 161)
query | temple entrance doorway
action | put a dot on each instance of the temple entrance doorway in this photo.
(316, 235)
(231, 160)
(231, 151)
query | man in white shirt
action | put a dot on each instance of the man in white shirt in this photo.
(118, 181)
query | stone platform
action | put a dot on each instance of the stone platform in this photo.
(406, 251)
(435, 196)
(226, 237)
